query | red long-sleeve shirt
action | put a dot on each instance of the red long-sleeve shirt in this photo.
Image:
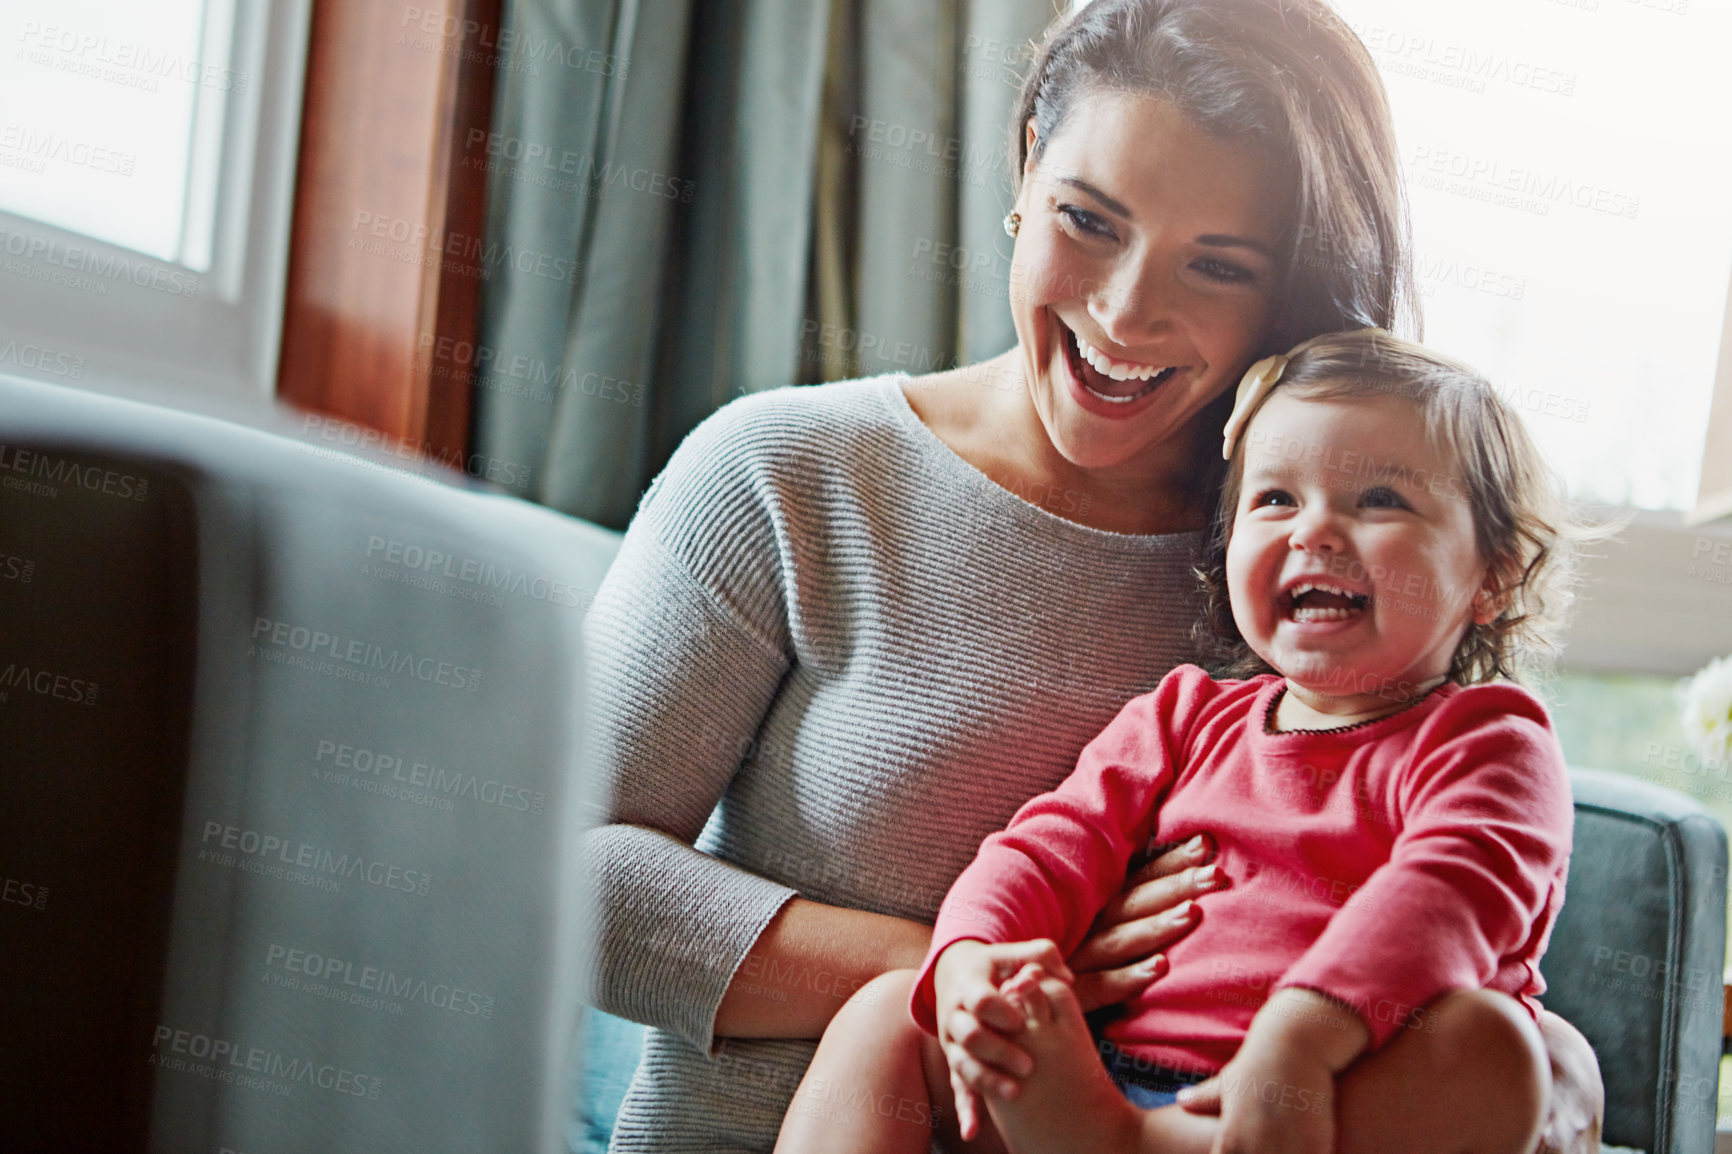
(1383, 864)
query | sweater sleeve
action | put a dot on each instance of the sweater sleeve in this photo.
(1473, 877)
(1064, 854)
(688, 647)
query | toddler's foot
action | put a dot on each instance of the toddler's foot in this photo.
(1069, 1102)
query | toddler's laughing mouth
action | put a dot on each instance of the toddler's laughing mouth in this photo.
(1309, 602)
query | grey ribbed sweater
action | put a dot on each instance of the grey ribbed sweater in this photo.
(835, 656)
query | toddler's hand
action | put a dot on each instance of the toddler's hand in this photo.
(1271, 1101)
(1277, 1095)
(976, 1022)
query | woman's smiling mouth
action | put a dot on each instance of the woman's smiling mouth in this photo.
(1112, 381)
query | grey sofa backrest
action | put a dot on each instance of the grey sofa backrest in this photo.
(1636, 958)
(287, 754)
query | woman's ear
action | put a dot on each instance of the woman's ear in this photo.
(1030, 139)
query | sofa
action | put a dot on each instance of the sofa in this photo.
(291, 766)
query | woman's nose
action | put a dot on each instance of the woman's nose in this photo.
(1133, 303)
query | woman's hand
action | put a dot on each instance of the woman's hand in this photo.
(1122, 953)
(976, 1022)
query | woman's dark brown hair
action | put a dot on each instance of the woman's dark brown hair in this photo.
(1288, 75)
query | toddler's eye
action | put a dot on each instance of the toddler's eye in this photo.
(1381, 497)
(1272, 498)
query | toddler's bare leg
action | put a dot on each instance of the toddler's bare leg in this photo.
(1070, 1103)
(1470, 1076)
(866, 1089)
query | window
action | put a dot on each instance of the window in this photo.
(1572, 243)
(146, 169)
(1572, 234)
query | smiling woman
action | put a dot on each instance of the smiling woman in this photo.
(1143, 281)
(835, 634)
(1176, 242)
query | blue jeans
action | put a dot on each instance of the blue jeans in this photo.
(1146, 1085)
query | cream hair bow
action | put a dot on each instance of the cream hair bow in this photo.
(1256, 385)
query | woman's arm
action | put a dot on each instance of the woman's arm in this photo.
(698, 946)
(810, 960)
(812, 957)
(688, 646)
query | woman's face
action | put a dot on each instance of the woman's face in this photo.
(1144, 273)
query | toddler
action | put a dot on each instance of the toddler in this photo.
(1392, 817)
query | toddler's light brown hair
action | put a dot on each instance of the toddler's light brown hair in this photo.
(1524, 526)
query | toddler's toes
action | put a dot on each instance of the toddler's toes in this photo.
(1026, 991)
(1060, 1002)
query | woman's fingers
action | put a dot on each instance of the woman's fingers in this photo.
(1122, 953)
(1098, 988)
(1146, 894)
(1181, 857)
(1127, 943)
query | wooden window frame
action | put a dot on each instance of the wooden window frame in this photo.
(388, 222)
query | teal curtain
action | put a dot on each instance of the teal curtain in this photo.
(690, 200)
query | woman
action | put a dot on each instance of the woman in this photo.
(838, 649)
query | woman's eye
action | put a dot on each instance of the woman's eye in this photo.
(1381, 497)
(1223, 271)
(1084, 221)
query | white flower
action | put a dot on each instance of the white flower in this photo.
(1705, 702)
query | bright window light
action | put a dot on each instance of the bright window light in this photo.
(1568, 178)
(1568, 174)
(112, 116)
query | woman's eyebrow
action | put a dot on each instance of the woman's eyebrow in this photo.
(1212, 240)
(1108, 202)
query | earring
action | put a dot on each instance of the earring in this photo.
(1013, 224)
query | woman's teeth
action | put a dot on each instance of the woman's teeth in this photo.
(1116, 370)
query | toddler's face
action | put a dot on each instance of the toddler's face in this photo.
(1352, 567)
